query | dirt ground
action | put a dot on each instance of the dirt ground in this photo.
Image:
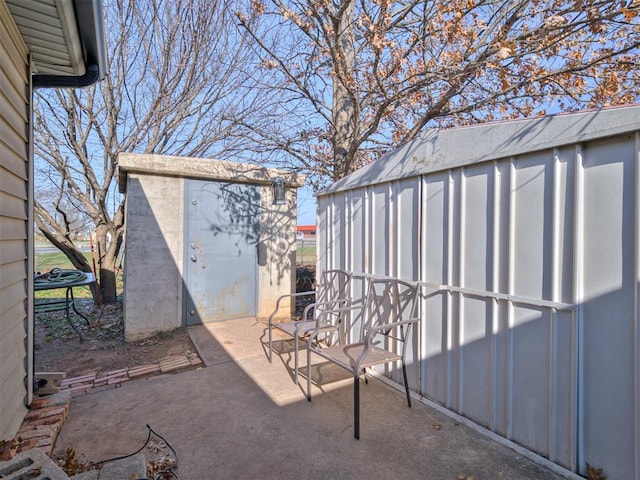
(57, 347)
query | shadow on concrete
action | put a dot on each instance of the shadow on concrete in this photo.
(243, 417)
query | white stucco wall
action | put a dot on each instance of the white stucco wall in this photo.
(153, 255)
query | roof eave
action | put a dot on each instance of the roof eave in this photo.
(83, 25)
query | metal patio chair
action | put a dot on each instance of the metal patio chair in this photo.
(379, 336)
(331, 294)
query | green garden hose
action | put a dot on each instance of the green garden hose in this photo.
(59, 276)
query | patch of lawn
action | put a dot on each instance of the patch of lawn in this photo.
(45, 262)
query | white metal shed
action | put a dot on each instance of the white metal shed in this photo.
(532, 229)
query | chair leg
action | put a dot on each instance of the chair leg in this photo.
(295, 360)
(270, 345)
(406, 384)
(308, 374)
(356, 406)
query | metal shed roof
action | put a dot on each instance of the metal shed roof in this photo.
(64, 37)
(440, 150)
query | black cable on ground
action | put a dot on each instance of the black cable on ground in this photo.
(168, 470)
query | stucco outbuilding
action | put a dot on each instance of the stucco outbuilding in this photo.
(205, 241)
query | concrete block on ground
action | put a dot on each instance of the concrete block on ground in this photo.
(91, 475)
(31, 464)
(130, 467)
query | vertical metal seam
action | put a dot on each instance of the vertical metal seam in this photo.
(348, 233)
(449, 323)
(331, 261)
(555, 296)
(636, 326)
(392, 224)
(462, 244)
(328, 222)
(365, 230)
(392, 253)
(578, 298)
(495, 280)
(510, 289)
(422, 276)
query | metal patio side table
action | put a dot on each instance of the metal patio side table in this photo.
(55, 280)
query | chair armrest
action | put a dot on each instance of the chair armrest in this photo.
(373, 332)
(318, 304)
(288, 295)
(313, 333)
(305, 313)
(390, 326)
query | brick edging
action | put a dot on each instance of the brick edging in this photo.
(41, 425)
(94, 382)
(46, 415)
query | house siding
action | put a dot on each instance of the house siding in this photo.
(15, 226)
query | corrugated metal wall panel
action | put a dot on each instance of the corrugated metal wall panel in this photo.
(434, 335)
(14, 225)
(529, 335)
(380, 229)
(474, 335)
(609, 289)
(407, 230)
(405, 261)
(338, 227)
(322, 234)
(356, 239)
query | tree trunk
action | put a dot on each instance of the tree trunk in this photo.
(344, 107)
(108, 244)
(75, 256)
(107, 252)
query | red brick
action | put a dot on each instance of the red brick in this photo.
(115, 381)
(39, 403)
(50, 420)
(72, 381)
(27, 445)
(171, 358)
(108, 378)
(148, 370)
(46, 412)
(102, 388)
(80, 388)
(115, 373)
(39, 431)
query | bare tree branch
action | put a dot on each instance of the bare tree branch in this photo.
(411, 64)
(177, 84)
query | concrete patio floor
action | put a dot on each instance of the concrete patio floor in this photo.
(242, 417)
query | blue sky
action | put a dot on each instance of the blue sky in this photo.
(306, 206)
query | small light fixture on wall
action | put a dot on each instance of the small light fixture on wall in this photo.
(277, 188)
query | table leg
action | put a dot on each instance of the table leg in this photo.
(73, 305)
(68, 305)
